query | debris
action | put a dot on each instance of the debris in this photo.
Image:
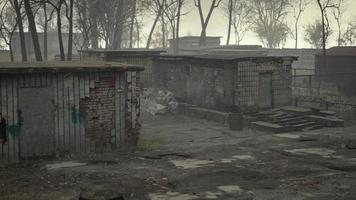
(158, 102)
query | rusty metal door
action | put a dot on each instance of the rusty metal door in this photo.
(265, 90)
(37, 130)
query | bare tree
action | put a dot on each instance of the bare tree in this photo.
(298, 7)
(57, 6)
(324, 5)
(69, 15)
(33, 30)
(337, 12)
(17, 7)
(156, 7)
(43, 19)
(349, 36)
(205, 21)
(132, 21)
(8, 25)
(230, 10)
(314, 34)
(83, 25)
(240, 13)
(269, 21)
(173, 12)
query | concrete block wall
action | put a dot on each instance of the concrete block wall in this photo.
(222, 84)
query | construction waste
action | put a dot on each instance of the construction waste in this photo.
(158, 102)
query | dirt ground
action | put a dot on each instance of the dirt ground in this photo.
(181, 158)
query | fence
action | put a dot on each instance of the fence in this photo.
(327, 91)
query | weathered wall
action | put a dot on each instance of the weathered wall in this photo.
(135, 59)
(221, 84)
(94, 112)
(247, 82)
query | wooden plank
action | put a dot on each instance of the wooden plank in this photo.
(71, 107)
(66, 113)
(56, 113)
(76, 121)
(1, 110)
(87, 85)
(16, 117)
(61, 112)
(82, 127)
(10, 114)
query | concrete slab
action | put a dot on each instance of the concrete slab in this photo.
(313, 151)
(267, 127)
(327, 121)
(69, 164)
(297, 110)
(230, 189)
(288, 135)
(192, 163)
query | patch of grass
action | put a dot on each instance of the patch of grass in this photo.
(150, 144)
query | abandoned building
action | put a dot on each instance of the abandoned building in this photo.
(55, 108)
(226, 84)
(141, 57)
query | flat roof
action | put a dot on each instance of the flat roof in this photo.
(218, 57)
(65, 66)
(122, 51)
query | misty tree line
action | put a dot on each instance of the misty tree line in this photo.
(115, 24)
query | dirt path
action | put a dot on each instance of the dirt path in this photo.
(181, 158)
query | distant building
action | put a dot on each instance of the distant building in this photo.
(52, 45)
(189, 42)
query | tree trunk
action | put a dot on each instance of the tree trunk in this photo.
(11, 52)
(205, 23)
(132, 23)
(153, 28)
(163, 32)
(296, 35)
(33, 30)
(45, 31)
(70, 34)
(21, 32)
(94, 25)
(323, 32)
(59, 30)
(180, 4)
(230, 22)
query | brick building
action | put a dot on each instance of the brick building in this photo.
(61, 108)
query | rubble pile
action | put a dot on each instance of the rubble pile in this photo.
(158, 102)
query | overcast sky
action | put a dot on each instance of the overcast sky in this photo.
(218, 24)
